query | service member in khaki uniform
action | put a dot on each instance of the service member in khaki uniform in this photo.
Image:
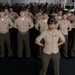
(41, 26)
(14, 14)
(23, 24)
(12, 31)
(39, 14)
(51, 49)
(59, 15)
(71, 18)
(28, 14)
(5, 25)
(69, 13)
(65, 26)
(8, 15)
(38, 18)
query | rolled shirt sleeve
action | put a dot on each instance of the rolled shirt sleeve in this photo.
(40, 37)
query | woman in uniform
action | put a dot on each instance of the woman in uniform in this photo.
(50, 50)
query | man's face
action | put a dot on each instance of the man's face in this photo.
(2, 14)
(22, 13)
(6, 11)
(26, 12)
(11, 9)
(60, 13)
(69, 11)
(45, 16)
(65, 16)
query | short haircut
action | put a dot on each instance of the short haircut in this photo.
(64, 13)
(24, 8)
(45, 12)
(60, 10)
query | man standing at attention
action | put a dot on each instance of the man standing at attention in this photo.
(23, 24)
(64, 26)
(5, 25)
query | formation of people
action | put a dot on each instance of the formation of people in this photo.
(23, 27)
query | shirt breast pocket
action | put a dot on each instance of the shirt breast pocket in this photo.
(56, 37)
(26, 23)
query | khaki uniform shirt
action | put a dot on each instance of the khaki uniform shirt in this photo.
(15, 15)
(31, 15)
(41, 25)
(58, 18)
(38, 18)
(37, 15)
(51, 41)
(23, 24)
(63, 26)
(69, 14)
(73, 24)
(5, 24)
(10, 16)
(71, 18)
